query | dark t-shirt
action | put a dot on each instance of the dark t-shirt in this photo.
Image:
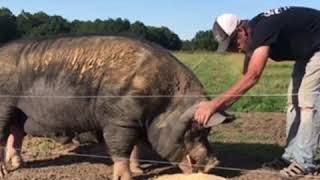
(293, 33)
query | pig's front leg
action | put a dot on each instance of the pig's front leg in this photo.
(120, 142)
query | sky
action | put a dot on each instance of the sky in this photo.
(184, 17)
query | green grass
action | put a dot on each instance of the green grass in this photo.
(218, 72)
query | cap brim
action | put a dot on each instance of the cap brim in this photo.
(223, 46)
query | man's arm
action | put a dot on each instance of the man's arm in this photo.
(246, 64)
(252, 75)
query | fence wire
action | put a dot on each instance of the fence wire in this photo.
(165, 96)
(175, 164)
(158, 96)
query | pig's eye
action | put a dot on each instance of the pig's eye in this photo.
(192, 134)
(195, 132)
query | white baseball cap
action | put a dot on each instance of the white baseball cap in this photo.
(223, 28)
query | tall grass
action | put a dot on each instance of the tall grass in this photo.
(218, 72)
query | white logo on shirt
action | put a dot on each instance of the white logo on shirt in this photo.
(275, 11)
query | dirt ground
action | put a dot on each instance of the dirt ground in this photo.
(264, 138)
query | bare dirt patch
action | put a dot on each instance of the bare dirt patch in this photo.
(243, 144)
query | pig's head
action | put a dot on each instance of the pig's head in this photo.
(177, 137)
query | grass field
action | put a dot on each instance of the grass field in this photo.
(217, 72)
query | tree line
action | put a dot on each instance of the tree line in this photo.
(40, 24)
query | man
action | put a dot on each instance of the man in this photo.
(288, 33)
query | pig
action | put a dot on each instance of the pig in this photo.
(127, 88)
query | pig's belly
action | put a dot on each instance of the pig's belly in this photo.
(52, 119)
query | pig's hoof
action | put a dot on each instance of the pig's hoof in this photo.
(121, 170)
(3, 170)
(211, 165)
(14, 160)
(125, 176)
(135, 168)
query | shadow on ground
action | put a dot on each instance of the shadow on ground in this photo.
(62, 160)
(243, 157)
(231, 155)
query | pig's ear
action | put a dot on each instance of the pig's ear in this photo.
(215, 119)
(219, 118)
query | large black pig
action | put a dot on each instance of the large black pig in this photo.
(127, 88)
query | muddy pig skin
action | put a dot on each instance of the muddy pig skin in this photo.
(127, 88)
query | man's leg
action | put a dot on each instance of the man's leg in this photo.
(307, 137)
(293, 110)
(309, 129)
(292, 119)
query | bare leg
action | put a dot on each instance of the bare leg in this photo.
(134, 160)
(13, 148)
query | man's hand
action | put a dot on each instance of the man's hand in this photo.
(253, 72)
(205, 110)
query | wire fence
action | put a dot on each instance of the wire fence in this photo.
(175, 164)
(164, 96)
(158, 96)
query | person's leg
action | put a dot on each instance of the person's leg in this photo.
(309, 129)
(307, 136)
(293, 110)
(292, 119)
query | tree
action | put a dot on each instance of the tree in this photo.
(100, 26)
(117, 26)
(24, 23)
(5, 12)
(187, 46)
(139, 29)
(57, 25)
(203, 40)
(8, 25)
(41, 24)
(164, 37)
(79, 27)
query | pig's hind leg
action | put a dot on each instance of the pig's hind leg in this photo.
(12, 120)
(15, 138)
